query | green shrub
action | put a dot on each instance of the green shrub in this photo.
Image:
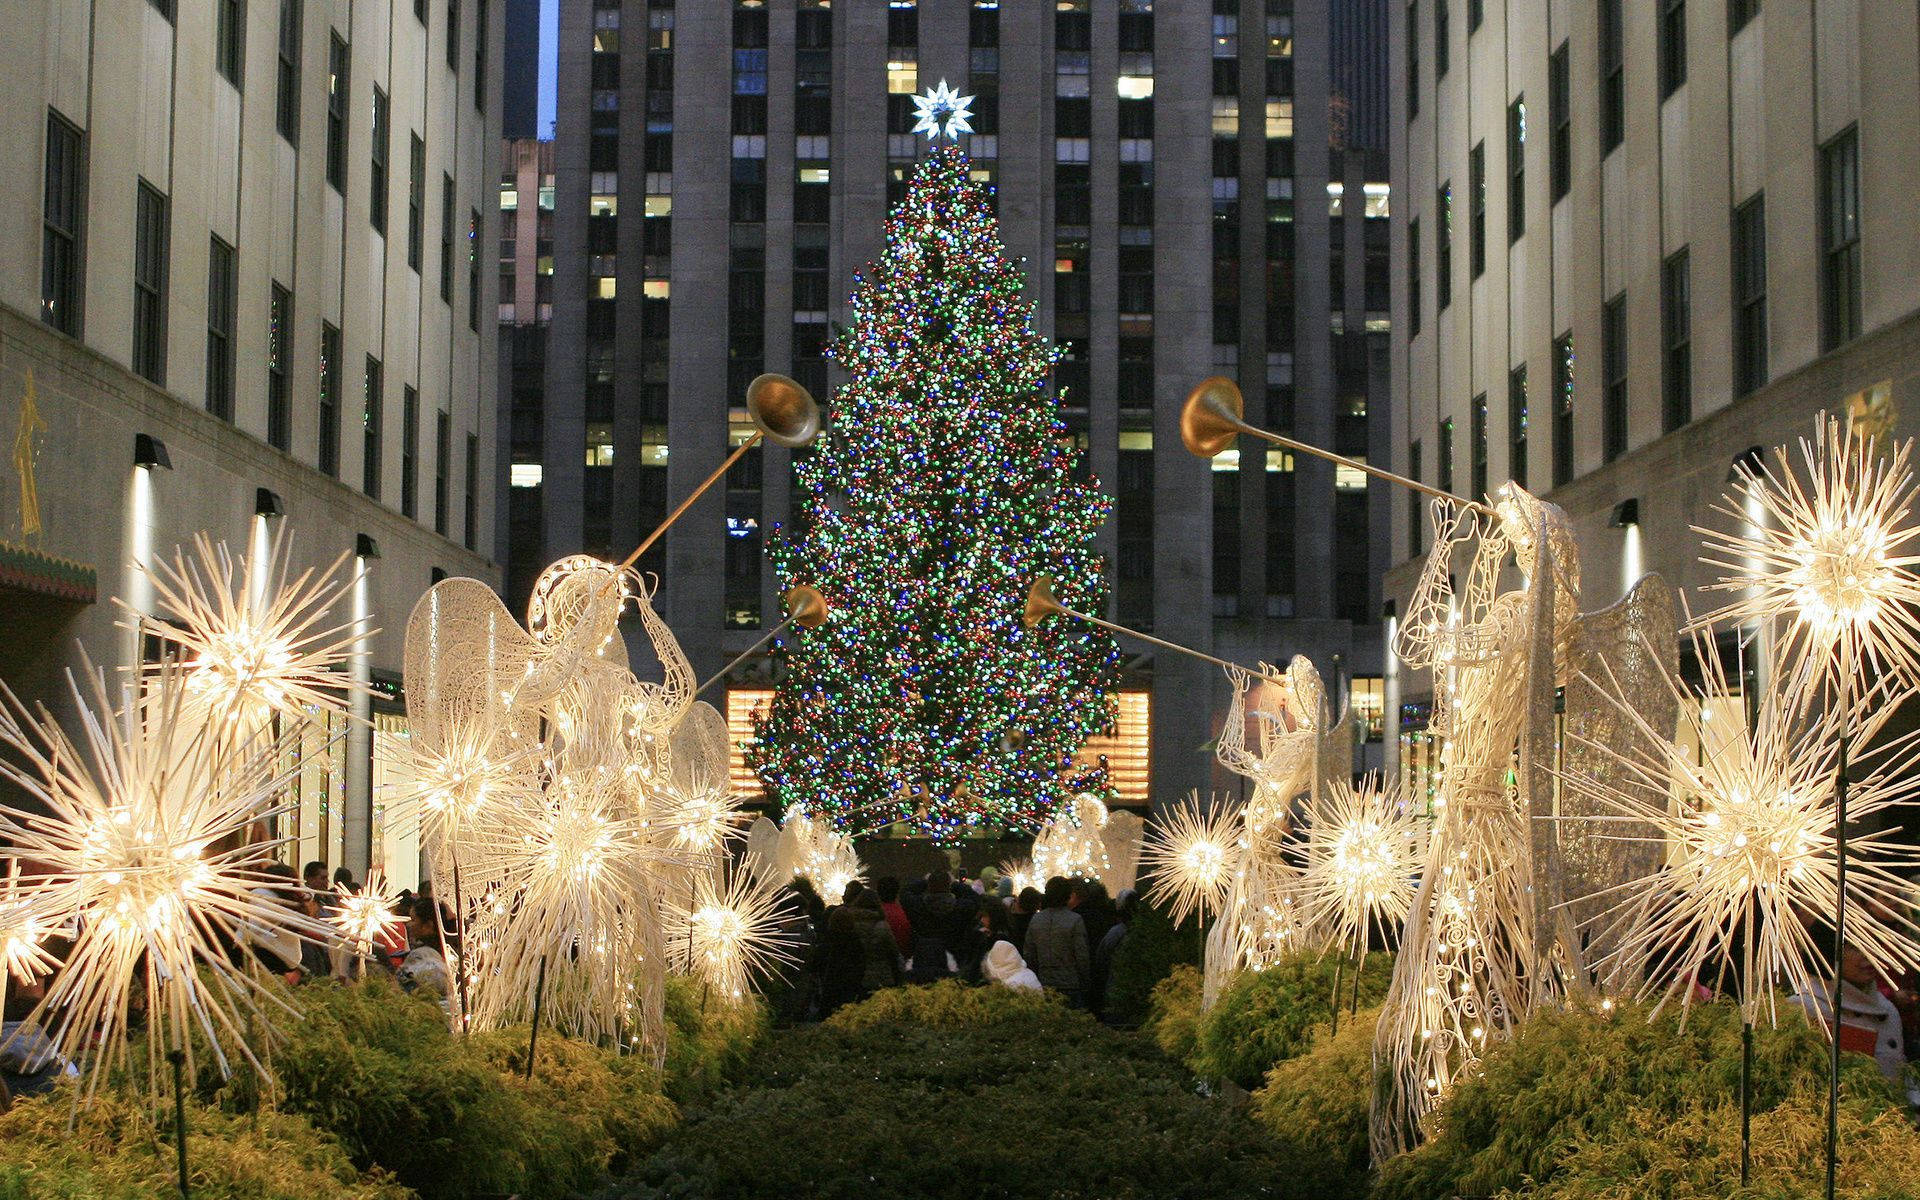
(1173, 1012)
(1315, 1106)
(1265, 1017)
(116, 1152)
(708, 1042)
(1695, 1155)
(1573, 1078)
(951, 1004)
(1145, 956)
(449, 1116)
(945, 1092)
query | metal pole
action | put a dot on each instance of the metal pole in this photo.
(744, 655)
(719, 472)
(1339, 966)
(1839, 945)
(539, 994)
(179, 1059)
(1164, 644)
(460, 918)
(1370, 469)
(1746, 1101)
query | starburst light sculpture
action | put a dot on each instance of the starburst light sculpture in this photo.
(1364, 847)
(365, 917)
(1833, 561)
(256, 641)
(1191, 856)
(731, 932)
(141, 833)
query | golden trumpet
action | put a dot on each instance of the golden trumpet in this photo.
(1214, 416)
(1041, 604)
(783, 413)
(806, 607)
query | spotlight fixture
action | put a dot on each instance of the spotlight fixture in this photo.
(1747, 462)
(267, 503)
(365, 547)
(1626, 513)
(1389, 610)
(150, 451)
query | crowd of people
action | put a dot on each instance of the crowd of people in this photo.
(877, 935)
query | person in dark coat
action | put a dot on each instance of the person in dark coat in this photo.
(1108, 946)
(938, 927)
(1091, 901)
(881, 957)
(842, 962)
(1056, 947)
(1024, 906)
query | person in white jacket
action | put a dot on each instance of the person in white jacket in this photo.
(1004, 966)
(1869, 1022)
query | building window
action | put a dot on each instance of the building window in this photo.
(1739, 12)
(1477, 211)
(442, 461)
(1613, 78)
(1560, 119)
(1477, 421)
(1443, 247)
(1673, 46)
(446, 238)
(337, 112)
(1413, 278)
(409, 449)
(1476, 12)
(1676, 342)
(230, 39)
(481, 34)
(220, 289)
(416, 200)
(279, 363)
(473, 496)
(287, 104)
(1562, 401)
(1613, 364)
(1517, 424)
(1440, 47)
(329, 448)
(150, 234)
(1749, 296)
(1516, 169)
(377, 178)
(1840, 240)
(1446, 455)
(370, 422)
(473, 269)
(453, 34)
(1416, 505)
(1413, 59)
(163, 7)
(61, 217)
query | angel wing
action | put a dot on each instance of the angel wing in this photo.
(1122, 836)
(1638, 641)
(468, 664)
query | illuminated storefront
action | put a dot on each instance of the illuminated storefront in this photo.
(1123, 746)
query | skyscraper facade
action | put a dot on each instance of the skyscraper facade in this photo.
(1197, 187)
(241, 294)
(1640, 243)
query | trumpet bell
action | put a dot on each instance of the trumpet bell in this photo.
(1213, 416)
(808, 606)
(783, 410)
(1040, 602)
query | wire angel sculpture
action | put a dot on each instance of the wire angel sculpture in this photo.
(810, 848)
(1261, 917)
(551, 793)
(1087, 840)
(1491, 933)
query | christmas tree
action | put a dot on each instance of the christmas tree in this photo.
(942, 488)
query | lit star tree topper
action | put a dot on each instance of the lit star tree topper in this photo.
(944, 485)
(943, 111)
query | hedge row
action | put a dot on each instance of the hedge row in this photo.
(378, 1100)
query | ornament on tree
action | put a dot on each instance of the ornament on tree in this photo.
(941, 489)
